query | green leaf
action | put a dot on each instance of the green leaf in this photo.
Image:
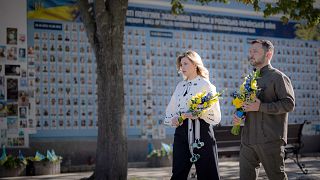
(290, 10)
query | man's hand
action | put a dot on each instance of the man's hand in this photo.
(253, 106)
(236, 119)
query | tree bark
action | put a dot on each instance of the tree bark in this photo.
(105, 29)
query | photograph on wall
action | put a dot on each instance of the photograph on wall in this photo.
(11, 53)
(45, 124)
(68, 123)
(3, 123)
(3, 137)
(12, 89)
(31, 64)
(22, 38)
(23, 82)
(22, 54)
(12, 124)
(3, 109)
(2, 90)
(12, 36)
(23, 123)
(61, 123)
(10, 142)
(23, 112)
(53, 124)
(83, 123)
(12, 70)
(16, 141)
(90, 125)
(23, 140)
(23, 71)
(30, 51)
(31, 123)
(12, 109)
(31, 72)
(2, 52)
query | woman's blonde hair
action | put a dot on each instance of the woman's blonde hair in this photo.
(196, 60)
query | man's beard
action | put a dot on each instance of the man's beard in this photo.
(258, 62)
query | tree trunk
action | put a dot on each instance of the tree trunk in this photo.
(105, 29)
(111, 157)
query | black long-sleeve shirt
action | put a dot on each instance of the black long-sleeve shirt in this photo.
(270, 122)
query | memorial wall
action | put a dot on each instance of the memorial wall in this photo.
(48, 86)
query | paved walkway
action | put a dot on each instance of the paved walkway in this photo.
(228, 167)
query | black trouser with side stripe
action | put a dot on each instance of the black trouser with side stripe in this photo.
(206, 166)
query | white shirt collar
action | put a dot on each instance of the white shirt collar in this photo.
(193, 80)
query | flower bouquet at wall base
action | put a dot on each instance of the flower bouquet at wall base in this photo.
(199, 103)
(12, 165)
(9, 161)
(51, 157)
(165, 150)
(247, 93)
(43, 165)
(160, 157)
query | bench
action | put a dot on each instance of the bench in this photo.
(229, 144)
(294, 145)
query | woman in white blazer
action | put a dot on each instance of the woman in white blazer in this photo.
(194, 140)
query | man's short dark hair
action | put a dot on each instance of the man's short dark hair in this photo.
(266, 44)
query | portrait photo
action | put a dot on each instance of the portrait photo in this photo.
(12, 109)
(12, 89)
(12, 70)
(12, 34)
(12, 53)
(23, 112)
(3, 123)
(22, 53)
(2, 92)
(22, 38)
(2, 52)
(3, 109)
(23, 98)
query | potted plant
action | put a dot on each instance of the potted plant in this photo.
(12, 165)
(160, 157)
(44, 165)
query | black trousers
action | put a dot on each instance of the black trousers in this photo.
(206, 166)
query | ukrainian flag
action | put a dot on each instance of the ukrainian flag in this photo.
(53, 10)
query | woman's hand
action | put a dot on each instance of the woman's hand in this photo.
(189, 116)
(175, 122)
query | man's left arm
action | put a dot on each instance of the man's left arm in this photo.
(285, 96)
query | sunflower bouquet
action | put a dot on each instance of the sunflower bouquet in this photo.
(247, 93)
(199, 103)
